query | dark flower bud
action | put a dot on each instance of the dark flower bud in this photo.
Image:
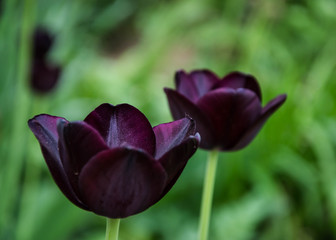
(44, 75)
(114, 163)
(227, 111)
(42, 43)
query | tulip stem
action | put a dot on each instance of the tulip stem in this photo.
(13, 161)
(112, 229)
(208, 187)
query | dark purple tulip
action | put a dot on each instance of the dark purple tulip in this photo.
(227, 111)
(44, 75)
(114, 163)
(42, 43)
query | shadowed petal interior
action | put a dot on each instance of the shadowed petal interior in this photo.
(123, 124)
(237, 80)
(196, 84)
(78, 143)
(121, 182)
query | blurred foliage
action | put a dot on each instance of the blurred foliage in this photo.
(282, 186)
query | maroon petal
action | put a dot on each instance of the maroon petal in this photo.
(121, 182)
(78, 143)
(169, 135)
(196, 84)
(123, 124)
(267, 111)
(180, 107)
(237, 80)
(44, 128)
(175, 160)
(232, 112)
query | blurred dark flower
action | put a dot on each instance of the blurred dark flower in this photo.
(42, 43)
(44, 74)
(113, 163)
(228, 111)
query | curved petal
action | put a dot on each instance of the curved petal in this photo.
(237, 80)
(267, 111)
(196, 84)
(181, 107)
(176, 158)
(123, 124)
(232, 112)
(121, 182)
(44, 128)
(169, 135)
(78, 142)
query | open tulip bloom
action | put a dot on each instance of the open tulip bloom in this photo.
(228, 115)
(114, 163)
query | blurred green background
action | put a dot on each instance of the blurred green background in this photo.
(282, 186)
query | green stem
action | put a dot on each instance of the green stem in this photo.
(208, 187)
(21, 105)
(112, 229)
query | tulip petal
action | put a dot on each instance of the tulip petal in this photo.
(237, 80)
(267, 111)
(231, 112)
(176, 159)
(180, 107)
(169, 135)
(176, 142)
(121, 182)
(77, 144)
(123, 124)
(196, 84)
(44, 128)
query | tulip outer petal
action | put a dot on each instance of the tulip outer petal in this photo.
(44, 128)
(120, 182)
(267, 111)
